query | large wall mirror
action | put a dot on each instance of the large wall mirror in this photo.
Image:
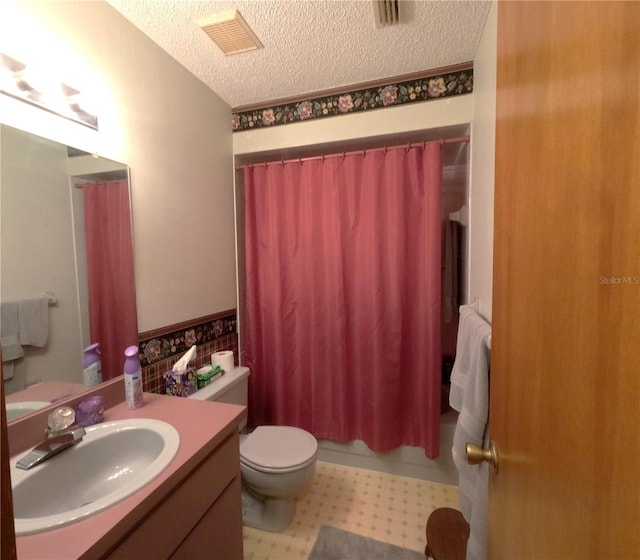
(65, 232)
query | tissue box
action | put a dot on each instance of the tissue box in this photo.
(207, 374)
(180, 384)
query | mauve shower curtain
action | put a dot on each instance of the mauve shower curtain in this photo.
(343, 296)
(112, 294)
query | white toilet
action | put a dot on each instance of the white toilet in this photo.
(276, 462)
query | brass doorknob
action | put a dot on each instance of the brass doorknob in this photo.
(476, 455)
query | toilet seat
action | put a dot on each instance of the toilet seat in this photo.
(278, 449)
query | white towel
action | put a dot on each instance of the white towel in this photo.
(11, 347)
(478, 526)
(470, 397)
(33, 319)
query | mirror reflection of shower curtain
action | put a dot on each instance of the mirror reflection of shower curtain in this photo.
(112, 297)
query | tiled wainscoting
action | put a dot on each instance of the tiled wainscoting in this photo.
(160, 349)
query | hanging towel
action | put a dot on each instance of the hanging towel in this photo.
(33, 321)
(478, 526)
(450, 273)
(470, 397)
(11, 347)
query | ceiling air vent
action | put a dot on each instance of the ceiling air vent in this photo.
(231, 33)
(387, 12)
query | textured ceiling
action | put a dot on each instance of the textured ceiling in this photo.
(310, 45)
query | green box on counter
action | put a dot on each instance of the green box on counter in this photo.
(181, 384)
(207, 374)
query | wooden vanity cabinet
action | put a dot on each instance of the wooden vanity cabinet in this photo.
(200, 518)
(212, 537)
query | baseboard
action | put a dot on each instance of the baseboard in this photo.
(402, 461)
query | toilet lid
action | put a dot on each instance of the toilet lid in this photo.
(278, 447)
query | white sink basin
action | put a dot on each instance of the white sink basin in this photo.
(114, 460)
(17, 409)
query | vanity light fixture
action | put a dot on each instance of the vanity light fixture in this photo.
(26, 84)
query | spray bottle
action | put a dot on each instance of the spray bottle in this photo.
(92, 369)
(132, 378)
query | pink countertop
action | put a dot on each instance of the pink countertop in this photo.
(202, 426)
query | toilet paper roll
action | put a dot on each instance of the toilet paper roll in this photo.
(223, 359)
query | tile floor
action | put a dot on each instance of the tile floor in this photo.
(382, 506)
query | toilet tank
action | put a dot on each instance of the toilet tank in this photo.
(232, 387)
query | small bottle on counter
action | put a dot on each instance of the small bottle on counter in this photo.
(90, 411)
(92, 369)
(132, 378)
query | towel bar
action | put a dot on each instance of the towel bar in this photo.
(50, 297)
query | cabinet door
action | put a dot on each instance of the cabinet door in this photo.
(218, 535)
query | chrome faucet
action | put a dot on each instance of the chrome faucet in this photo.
(50, 447)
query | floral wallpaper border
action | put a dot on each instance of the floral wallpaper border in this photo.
(174, 343)
(418, 89)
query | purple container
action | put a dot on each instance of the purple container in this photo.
(91, 367)
(90, 411)
(90, 355)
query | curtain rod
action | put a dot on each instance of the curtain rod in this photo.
(97, 181)
(456, 140)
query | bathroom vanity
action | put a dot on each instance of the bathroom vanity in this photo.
(192, 509)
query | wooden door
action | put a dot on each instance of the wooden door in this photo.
(7, 529)
(565, 379)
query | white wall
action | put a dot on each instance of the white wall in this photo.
(172, 130)
(482, 166)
